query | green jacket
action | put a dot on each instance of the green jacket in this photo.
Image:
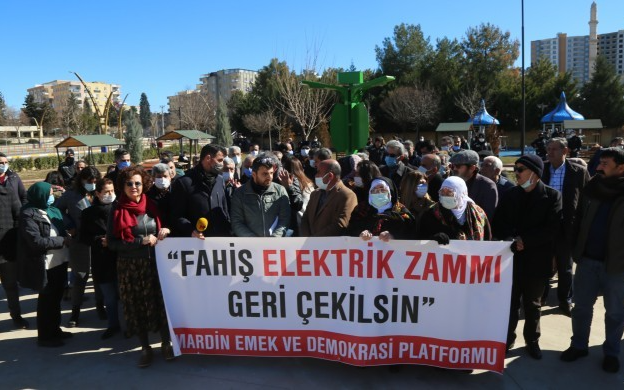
(266, 215)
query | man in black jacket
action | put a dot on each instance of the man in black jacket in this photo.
(9, 215)
(569, 179)
(201, 194)
(530, 215)
(599, 256)
(480, 189)
(11, 180)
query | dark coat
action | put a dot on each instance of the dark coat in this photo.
(192, 199)
(14, 183)
(395, 174)
(9, 217)
(536, 217)
(484, 193)
(33, 242)
(103, 260)
(574, 180)
(163, 200)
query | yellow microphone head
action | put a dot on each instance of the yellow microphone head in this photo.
(201, 225)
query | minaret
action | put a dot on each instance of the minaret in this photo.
(593, 38)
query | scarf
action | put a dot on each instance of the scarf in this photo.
(37, 198)
(124, 217)
(605, 188)
(475, 228)
(458, 185)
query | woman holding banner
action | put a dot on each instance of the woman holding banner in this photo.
(455, 217)
(133, 230)
(382, 215)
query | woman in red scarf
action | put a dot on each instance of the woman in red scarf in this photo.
(133, 230)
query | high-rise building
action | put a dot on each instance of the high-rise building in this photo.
(577, 54)
(57, 93)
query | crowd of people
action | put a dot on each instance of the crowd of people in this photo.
(554, 213)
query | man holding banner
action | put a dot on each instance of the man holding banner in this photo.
(530, 215)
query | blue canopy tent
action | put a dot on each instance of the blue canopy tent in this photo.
(561, 113)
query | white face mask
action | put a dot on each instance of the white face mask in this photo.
(358, 181)
(312, 163)
(421, 190)
(108, 198)
(423, 170)
(379, 201)
(89, 186)
(227, 176)
(254, 153)
(304, 152)
(448, 202)
(162, 183)
(236, 160)
(319, 182)
(4, 167)
(527, 183)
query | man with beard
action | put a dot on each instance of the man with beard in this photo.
(480, 189)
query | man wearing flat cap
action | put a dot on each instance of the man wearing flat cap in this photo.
(529, 215)
(482, 190)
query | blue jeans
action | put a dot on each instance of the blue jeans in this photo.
(111, 302)
(591, 277)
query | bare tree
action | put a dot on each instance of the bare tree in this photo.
(17, 119)
(261, 124)
(308, 107)
(468, 100)
(198, 112)
(412, 107)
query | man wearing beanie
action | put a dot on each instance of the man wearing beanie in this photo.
(599, 257)
(529, 215)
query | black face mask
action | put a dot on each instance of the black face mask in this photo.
(69, 160)
(258, 189)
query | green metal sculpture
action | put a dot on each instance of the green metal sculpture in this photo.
(349, 120)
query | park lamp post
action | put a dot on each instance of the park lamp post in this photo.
(39, 127)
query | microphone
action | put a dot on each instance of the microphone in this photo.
(201, 225)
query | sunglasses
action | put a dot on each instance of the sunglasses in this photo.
(520, 169)
(133, 184)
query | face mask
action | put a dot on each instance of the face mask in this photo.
(319, 182)
(217, 168)
(456, 148)
(161, 183)
(445, 148)
(70, 160)
(390, 161)
(423, 170)
(254, 153)
(291, 152)
(421, 190)
(50, 200)
(123, 164)
(358, 181)
(527, 183)
(4, 168)
(236, 160)
(108, 199)
(379, 200)
(89, 186)
(448, 202)
(312, 163)
(481, 139)
(304, 152)
(247, 172)
(226, 176)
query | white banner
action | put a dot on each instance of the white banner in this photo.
(339, 298)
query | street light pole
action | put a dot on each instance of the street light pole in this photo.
(162, 120)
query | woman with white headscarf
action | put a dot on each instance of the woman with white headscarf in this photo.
(455, 216)
(381, 214)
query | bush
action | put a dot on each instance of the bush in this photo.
(33, 141)
(5, 141)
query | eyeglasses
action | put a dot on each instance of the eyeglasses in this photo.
(133, 184)
(519, 169)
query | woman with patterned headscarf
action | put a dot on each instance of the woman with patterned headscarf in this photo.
(382, 214)
(455, 216)
(43, 257)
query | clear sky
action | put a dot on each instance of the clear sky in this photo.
(162, 47)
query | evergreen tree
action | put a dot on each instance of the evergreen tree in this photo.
(134, 138)
(144, 111)
(223, 133)
(603, 95)
(88, 120)
(71, 115)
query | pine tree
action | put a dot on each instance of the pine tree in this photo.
(223, 133)
(603, 95)
(3, 114)
(145, 113)
(134, 139)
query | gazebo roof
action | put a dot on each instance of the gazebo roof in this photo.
(189, 134)
(562, 112)
(482, 118)
(88, 141)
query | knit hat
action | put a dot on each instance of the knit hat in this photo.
(465, 157)
(69, 151)
(533, 162)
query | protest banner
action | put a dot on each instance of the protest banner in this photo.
(339, 298)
